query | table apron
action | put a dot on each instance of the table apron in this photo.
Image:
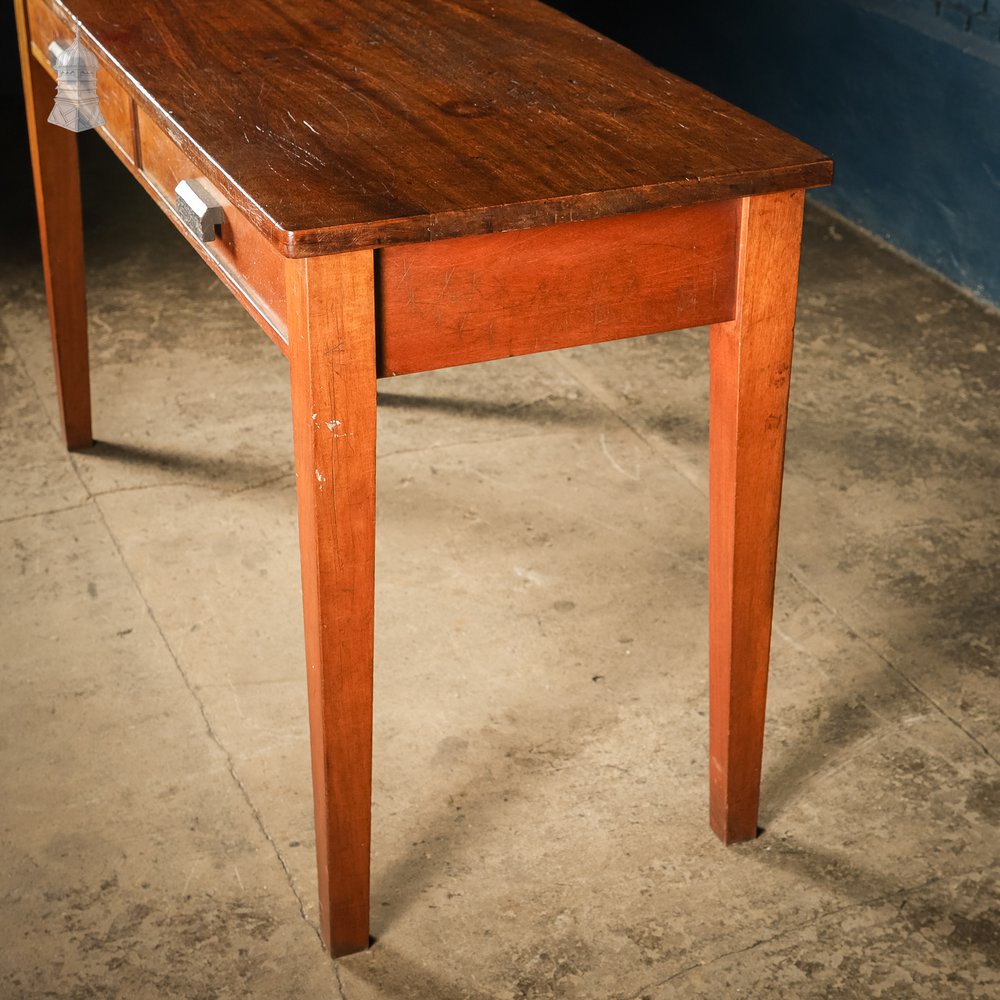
(478, 298)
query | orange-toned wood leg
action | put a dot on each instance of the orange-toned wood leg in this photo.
(750, 367)
(331, 323)
(60, 225)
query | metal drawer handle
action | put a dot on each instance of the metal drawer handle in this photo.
(198, 208)
(55, 51)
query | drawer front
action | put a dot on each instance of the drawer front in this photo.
(116, 106)
(239, 250)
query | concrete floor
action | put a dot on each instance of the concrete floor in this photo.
(540, 777)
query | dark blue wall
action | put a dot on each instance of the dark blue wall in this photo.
(903, 94)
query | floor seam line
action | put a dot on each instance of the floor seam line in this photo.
(149, 486)
(290, 474)
(796, 575)
(44, 513)
(903, 891)
(213, 736)
(341, 989)
(196, 485)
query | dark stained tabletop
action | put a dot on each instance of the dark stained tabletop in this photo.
(340, 124)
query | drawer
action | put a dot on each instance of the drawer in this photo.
(242, 256)
(46, 27)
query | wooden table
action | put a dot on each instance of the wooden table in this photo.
(397, 187)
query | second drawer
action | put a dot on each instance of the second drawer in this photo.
(239, 249)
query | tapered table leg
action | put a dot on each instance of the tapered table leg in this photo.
(750, 366)
(332, 349)
(60, 225)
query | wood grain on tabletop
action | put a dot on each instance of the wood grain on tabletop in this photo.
(343, 124)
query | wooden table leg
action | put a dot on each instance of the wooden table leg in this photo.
(750, 367)
(60, 225)
(331, 323)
